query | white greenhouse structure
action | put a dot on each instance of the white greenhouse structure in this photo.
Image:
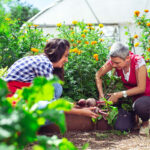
(113, 14)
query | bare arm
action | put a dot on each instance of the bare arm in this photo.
(139, 89)
(101, 72)
(84, 111)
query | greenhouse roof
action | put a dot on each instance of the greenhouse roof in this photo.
(90, 11)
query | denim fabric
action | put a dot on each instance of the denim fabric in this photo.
(58, 92)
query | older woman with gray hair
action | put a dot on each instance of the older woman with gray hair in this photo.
(132, 70)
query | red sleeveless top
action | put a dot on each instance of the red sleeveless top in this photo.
(132, 76)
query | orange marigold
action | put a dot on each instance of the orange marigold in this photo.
(146, 10)
(136, 44)
(136, 13)
(148, 49)
(72, 40)
(89, 24)
(95, 56)
(94, 42)
(34, 50)
(83, 35)
(148, 24)
(78, 41)
(86, 42)
(135, 36)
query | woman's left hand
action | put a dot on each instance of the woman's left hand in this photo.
(114, 97)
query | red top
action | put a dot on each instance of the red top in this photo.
(132, 82)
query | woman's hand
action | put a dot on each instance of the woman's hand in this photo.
(88, 112)
(114, 97)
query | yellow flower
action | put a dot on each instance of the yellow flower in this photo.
(7, 19)
(101, 25)
(72, 32)
(101, 40)
(148, 24)
(47, 40)
(89, 24)
(101, 32)
(34, 50)
(74, 22)
(35, 25)
(83, 35)
(146, 10)
(86, 42)
(59, 24)
(91, 28)
(136, 13)
(85, 31)
(136, 44)
(95, 56)
(139, 23)
(135, 36)
(94, 42)
(148, 49)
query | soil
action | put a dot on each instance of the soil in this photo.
(106, 140)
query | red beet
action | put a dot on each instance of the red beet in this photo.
(81, 103)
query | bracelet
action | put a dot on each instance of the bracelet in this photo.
(124, 94)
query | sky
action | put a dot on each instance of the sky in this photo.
(40, 4)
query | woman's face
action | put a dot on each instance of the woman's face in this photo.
(63, 60)
(119, 63)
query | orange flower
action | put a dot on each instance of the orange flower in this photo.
(136, 44)
(148, 49)
(94, 42)
(86, 42)
(148, 24)
(135, 36)
(95, 56)
(72, 40)
(136, 13)
(35, 25)
(146, 10)
(34, 50)
(78, 41)
(74, 45)
(139, 23)
(89, 24)
(83, 35)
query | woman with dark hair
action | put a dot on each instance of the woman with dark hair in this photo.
(23, 71)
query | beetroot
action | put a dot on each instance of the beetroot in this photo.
(81, 103)
(91, 102)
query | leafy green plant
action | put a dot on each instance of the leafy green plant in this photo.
(142, 22)
(16, 43)
(89, 50)
(16, 111)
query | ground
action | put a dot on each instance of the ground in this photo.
(107, 140)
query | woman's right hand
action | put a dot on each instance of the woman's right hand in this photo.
(88, 112)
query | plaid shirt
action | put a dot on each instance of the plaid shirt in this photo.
(27, 68)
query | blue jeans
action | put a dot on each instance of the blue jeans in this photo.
(57, 93)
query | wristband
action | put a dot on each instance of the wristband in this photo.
(124, 94)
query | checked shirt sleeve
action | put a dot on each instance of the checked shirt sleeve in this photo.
(44, 69)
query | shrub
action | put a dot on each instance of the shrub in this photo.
(89, 50)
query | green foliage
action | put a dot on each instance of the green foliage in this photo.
(16, 42)
(20, 117)
(142, 22)
(88, 52)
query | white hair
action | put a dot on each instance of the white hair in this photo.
(119, 50)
